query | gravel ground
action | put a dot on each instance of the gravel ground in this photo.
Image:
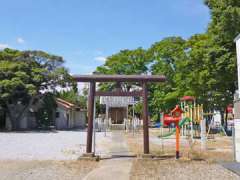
(59, 145)
(186, 168)
(181, 170)
(51, 155)
(45, 170)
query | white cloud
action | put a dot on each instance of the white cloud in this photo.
(3, 46)
(100, 58)
(20, 40)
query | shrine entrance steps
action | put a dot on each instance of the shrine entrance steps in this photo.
(117, 127)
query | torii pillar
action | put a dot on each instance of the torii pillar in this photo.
(91, 96)
(145, 119)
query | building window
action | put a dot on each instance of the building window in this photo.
(57, 114)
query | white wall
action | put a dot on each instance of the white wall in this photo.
(237, 139)
(79, 119)
(238, 60)
(61, 121)
(236, 108)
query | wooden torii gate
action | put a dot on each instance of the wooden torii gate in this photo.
(142, 79)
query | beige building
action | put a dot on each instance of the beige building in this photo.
(69, 115)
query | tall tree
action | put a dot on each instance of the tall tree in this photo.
(167, 56)
(223, 28)
(125, 62)
(25, 76)
(203, 66)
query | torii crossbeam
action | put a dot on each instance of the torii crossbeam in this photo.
(142, 79)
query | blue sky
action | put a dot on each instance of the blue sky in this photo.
(84, 32)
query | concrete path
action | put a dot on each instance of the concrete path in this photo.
(118, 146)
(232, 166)
(115, 168)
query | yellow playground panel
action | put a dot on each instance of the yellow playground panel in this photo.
(191, 110)
(194, 112)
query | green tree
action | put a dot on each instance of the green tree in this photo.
(223, 28)
(168, 57)
(203, 66)
(125, 62)
(25, 76)
(46, 112)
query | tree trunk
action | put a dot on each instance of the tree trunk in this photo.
(15, 113)
(226, 117)
(222, 117)
(12, 120)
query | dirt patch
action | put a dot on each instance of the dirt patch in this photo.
(219, 149)
(47, 170)
(193, 164)
(178, 169)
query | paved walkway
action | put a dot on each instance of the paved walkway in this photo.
(118, 146)
(115, 168)
(232, 166)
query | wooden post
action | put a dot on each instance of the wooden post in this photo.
(145, 120)
(107, 118)
(203, 129)
(177, 140)
(191, 113)
(90, 116)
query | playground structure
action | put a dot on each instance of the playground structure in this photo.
(186, 119)
(194, 112)
(174, 118)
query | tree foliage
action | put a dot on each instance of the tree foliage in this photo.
(125, 62)
(25, 76)
(167, 58)
(203, 66)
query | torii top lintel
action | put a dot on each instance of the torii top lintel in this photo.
(119, 78)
